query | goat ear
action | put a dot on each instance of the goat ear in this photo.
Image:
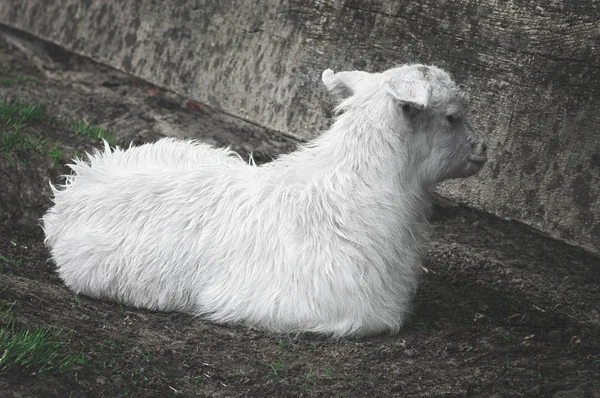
(415, 93)
(344, 83)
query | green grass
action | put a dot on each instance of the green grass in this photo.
(16, 113)
(39, 350)
(18, 79)
(77, 155)
(111, 357)
(57, 154)
(10, 260)
(13, 116)
(93, 131)
(324, 373)
(15, 142)
(276, 367)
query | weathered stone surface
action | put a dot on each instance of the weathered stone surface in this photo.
(533, 68)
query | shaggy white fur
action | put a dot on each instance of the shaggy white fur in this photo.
(326, 239)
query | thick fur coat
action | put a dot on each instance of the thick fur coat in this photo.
(326, 239)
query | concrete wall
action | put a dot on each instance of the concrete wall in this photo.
(533, 67)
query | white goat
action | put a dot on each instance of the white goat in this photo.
(326, 239)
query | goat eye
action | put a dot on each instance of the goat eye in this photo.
(452, 119)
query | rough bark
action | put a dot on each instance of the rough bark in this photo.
(533, 67)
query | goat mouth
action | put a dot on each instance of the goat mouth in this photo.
(477, 160)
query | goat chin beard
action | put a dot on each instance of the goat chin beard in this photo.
(473, 167)
(469, 169)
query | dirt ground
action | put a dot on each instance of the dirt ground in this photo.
(504, 311)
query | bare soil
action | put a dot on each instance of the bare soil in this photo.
(504, 311)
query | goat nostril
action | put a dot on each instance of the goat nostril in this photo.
(483, 147)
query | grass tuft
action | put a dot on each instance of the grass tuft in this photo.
(15, 142)
(16, 113)
(276, 366)
(57, 154)
(18, 79)
(40, 350)
(93, 131)
(13, 115)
